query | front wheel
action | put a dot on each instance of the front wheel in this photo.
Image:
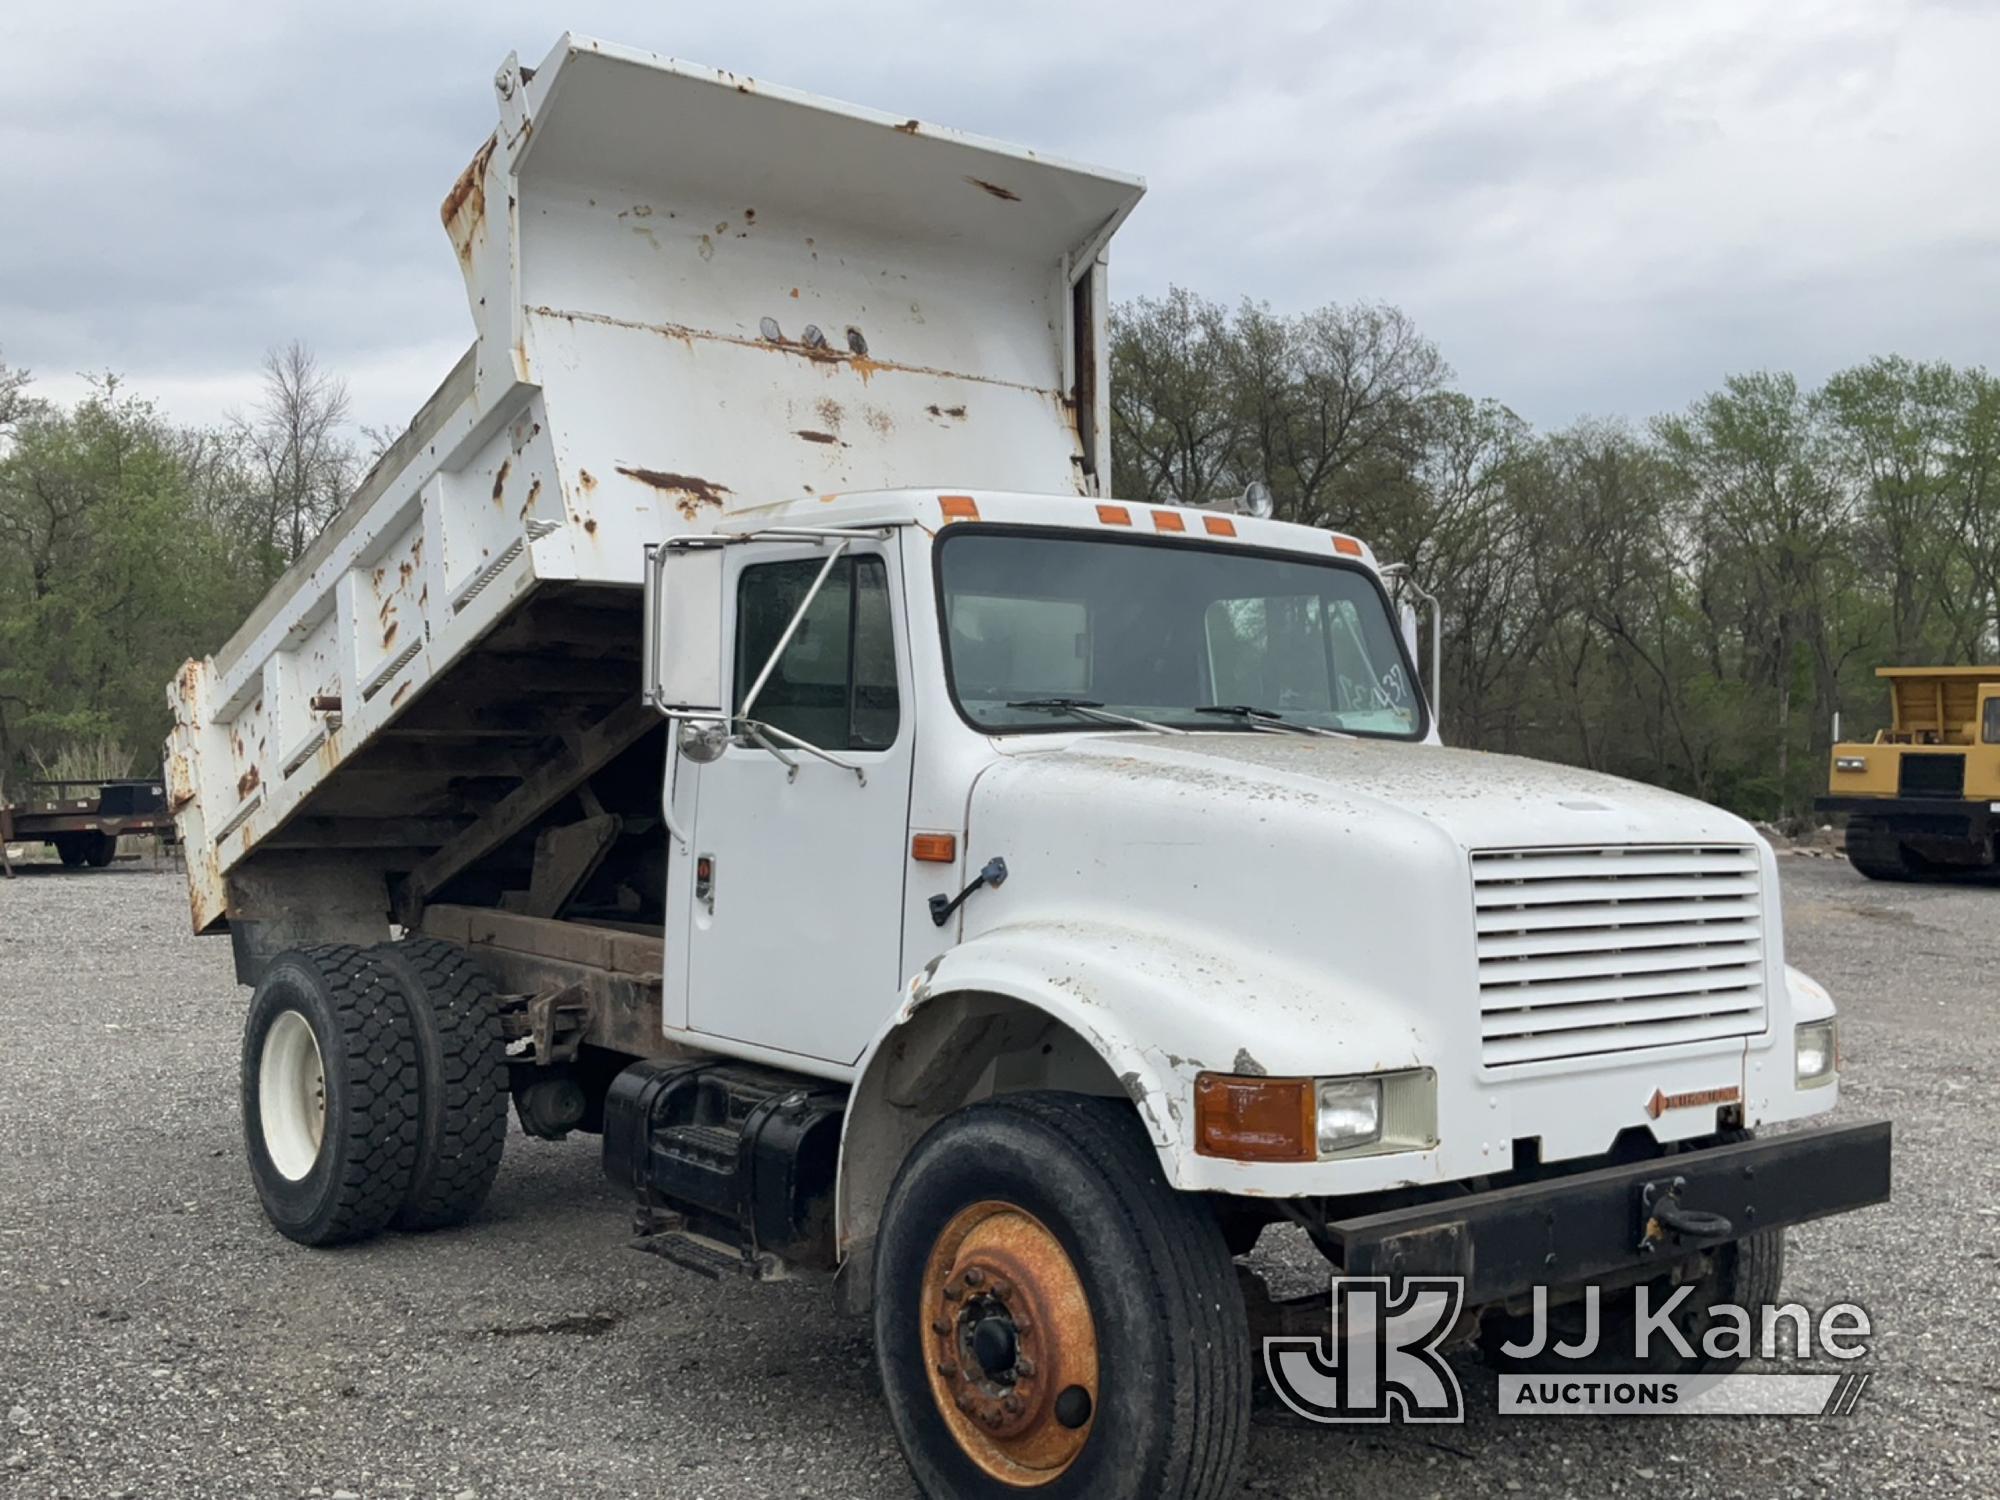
(1050, 1316)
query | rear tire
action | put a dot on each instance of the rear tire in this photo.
(1874, 850)
(329, 1095)
(461, 1079)
(100, 849)
(1113, 1295)
(70, 850)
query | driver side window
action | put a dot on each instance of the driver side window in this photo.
(835, 686)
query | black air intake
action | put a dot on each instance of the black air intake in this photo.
(1932, 775)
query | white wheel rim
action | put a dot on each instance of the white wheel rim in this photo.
(291, 1095)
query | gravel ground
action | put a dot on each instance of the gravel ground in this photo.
(157, 1339)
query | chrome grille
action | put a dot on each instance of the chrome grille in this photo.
(1595, 950)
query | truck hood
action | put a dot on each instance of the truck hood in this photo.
(1478, 800)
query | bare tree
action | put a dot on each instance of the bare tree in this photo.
(14, 402)
(297, 444)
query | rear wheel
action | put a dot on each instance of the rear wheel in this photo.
(1874, 850)
(461, 1079)
(1050, 1316)
(329, 1095)
(100, 849)
(71, 850)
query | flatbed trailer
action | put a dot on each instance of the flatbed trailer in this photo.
(82, 820)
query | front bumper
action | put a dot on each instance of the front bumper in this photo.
(1596, 1225)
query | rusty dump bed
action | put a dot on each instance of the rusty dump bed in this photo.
(694, 293)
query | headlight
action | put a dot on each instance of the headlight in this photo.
(1313, 1119)
(1814, 1045)
(1850, 763)
(1349, 1114)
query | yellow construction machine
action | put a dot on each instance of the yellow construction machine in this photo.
(1923, 797)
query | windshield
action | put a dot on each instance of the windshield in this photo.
(1049, 631)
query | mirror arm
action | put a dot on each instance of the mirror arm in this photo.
(754, 732)
(798, 618)
(757, 730)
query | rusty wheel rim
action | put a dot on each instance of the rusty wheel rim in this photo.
(1010, 1344)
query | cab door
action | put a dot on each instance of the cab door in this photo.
(794, 892)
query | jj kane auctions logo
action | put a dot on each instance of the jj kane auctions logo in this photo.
(1382, 1359)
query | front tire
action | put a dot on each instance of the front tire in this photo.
(1051, 1317)
(330, 1119)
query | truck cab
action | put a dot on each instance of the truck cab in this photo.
(736, 720)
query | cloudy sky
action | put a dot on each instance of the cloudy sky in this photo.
(1592, 208)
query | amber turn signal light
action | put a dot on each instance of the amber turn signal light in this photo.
(1254, 1119)
(934, 848)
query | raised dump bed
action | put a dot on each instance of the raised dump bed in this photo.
(694, 294)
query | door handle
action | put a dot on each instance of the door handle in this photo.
(704, 881)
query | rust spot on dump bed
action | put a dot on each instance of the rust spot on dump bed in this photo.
(500, 479)
(464, 210)
(690, 494)
(246, 783)
(957, 413)
(1007, 195)
(587, 479)
(910, 127)
(816, 437)
(590, 526)
(397, 696)
(389, 635)
(534, 494)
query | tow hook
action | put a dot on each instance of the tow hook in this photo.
(1662, 1213)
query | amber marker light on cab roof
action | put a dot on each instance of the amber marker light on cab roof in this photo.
(1218, 526)
(959, 507)
(1167, 520)
(1114, 515)
(934, 848)
(1255, 1119)
(1346, 546)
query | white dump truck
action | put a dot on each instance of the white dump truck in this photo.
(737, 718)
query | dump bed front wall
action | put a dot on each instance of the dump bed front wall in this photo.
(707, 355)
(1947, 705)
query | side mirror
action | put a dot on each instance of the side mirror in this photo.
(1407, 617)
(685, 664)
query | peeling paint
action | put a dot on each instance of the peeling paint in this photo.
(1006, 195)
(690, 493)
(464, 207)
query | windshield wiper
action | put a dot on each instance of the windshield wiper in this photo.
(1089, 708)
(1268, 721)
